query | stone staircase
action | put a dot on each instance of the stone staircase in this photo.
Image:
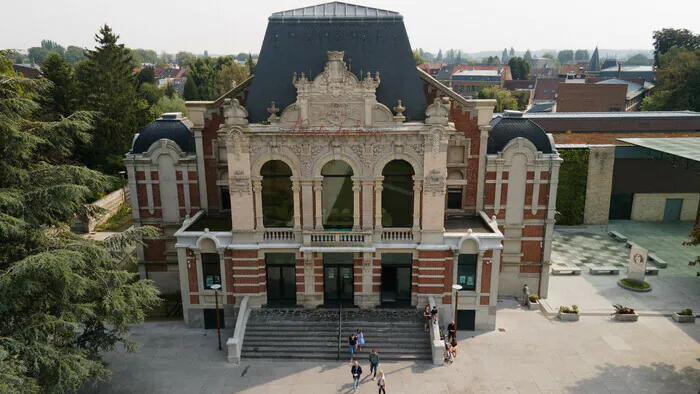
(307, 334)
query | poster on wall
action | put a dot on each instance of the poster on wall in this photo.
(470, 281)
(462, 279)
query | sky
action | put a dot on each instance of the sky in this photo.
(233, 26)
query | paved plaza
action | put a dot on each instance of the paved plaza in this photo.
(529, 353)
(675, 288)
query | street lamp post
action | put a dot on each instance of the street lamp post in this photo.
(218, 324)
(456, 288)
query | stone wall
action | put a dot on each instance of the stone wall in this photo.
(601, 161)
(651, 206)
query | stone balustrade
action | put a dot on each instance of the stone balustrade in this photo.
(337, 238)
(279, 235)
(394, 235)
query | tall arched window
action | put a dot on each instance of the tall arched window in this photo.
(397, 194)
(337, 195)
(277, 197)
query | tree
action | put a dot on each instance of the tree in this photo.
(169, 90)
(429, 57)
(504, 56)
(53, 46)
(458, 57)
(417, 58)
(528, 56)
(202, 73)
(183, 58)
(229, 76)
(61, 98)
(491, 60)
(37, 54)
(74, 54)
(677, 82)
(519, 68)
(145, 55)
(241, 57)
(251, 64)
(581, 54)
(512, 52)
(167, 58)
(665, 39)
(522, 97)
(146, 75)
(439, 56)
(504, 100)
(638, 60)
(550, 55)
(107, 85)
(190, 92)
(171, 104)
(151, 92)
(450, 56)
(565, 56)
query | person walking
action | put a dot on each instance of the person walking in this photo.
(360, 340)
(451, 331)
(352, 345)
(453, 348)
(526, 294)
(426, 316)
(356, 371)
(373, 363)
(434, 314)
(382, 383)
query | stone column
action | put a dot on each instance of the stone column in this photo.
(319, 205)
(367, 204)
(417, 188)
(378, 203)
(356, 204)
(297, 203)
(257, 196)
(307, 200)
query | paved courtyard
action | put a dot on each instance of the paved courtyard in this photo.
(529, 354)
(676, 287)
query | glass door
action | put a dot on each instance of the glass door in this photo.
(338, 280)
(281, 279)
(330, 284)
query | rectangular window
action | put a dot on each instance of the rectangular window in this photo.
(211, 269)
(466, 271)
(225, 199)
(454, 198)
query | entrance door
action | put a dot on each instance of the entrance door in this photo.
(396, 279)
(672, 211)
(466, 320)
(338, 279)
(281, 279)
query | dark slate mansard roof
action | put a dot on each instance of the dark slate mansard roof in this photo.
(169, 127)
(299, 41)
(506, 128)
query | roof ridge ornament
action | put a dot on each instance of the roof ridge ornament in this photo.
(235, 113)
(437, 113)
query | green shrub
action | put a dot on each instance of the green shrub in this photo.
(566, 309)
(686, 312)
(622, 310)
(635, 285)
(533, 298)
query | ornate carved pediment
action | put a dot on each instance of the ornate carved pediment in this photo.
(435, 183)
(337, 97)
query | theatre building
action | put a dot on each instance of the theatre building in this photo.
(340, 174)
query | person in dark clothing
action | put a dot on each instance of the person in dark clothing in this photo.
(356, 371)
(373, 363)
(352, 345)
(451, 331)
(426, 316)
(434, 314)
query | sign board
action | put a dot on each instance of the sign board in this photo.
(636, 269)
(462, 279)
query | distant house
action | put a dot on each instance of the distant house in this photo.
(503, 69)
(543, 67)
(432, 68)
(467, 82)
(546, 89)
(621, 71)
(573, 70)
(588, 97)
(27, 70)
(635, 92)
(174, 76)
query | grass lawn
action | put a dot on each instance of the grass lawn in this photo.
(120, 221)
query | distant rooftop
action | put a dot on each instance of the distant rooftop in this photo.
(630, 69)
(633, 89)
(616, 115)
(477, 73)
(688, 148)
(336, 10)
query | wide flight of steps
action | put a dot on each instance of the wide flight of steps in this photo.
(313, 334)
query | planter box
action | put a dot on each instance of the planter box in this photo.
(534, 306)
(683, 318)
(569, 316)
(627, 317)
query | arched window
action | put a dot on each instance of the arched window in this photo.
(397, 194)
(337, 195)
(277, 197)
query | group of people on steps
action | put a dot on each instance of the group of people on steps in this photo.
(355, 342)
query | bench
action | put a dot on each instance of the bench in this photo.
(562, 269)
(630, 244)
(618, 237)
(605, 269)
(657, 261)
(652, 271)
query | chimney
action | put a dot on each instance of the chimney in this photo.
(619, 70)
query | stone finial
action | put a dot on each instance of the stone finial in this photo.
(437, 113)
(399, 117)
(273, 110)
(235, 113)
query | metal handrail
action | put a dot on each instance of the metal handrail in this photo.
(340, 329)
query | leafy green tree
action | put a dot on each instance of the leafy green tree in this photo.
(146, 75)
(171, 104)
(677, 82)
(638, 60)
(74, 54)
(169, 90)
(665, 39)
(458, 57)
(504, 56)
(439, 56)
(151, 92)
(519, 68)
(183, 58)
(581, 54)
(145, 55)
(229, 76)
(61, 100)
(429, 57)
(417, 58)
(241, 57)
(450, 56)
(504, 100)
(38, 54)
(512, 52)
(549, 55)
(190, 91)
(565, 56)
(53, 46)
(695, 238)
(202, 73)
(523, 98)
(527, 56)
(107, 85)
(167, 58)
(251, 64)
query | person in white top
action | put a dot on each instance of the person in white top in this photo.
(382, 383)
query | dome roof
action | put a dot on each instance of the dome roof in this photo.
(170, 126)
(511, 126)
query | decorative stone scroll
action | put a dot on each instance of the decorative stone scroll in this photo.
(437, 113)
(235, 113)
(435, 183)
(239, 183)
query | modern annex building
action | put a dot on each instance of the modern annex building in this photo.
(342, 174)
